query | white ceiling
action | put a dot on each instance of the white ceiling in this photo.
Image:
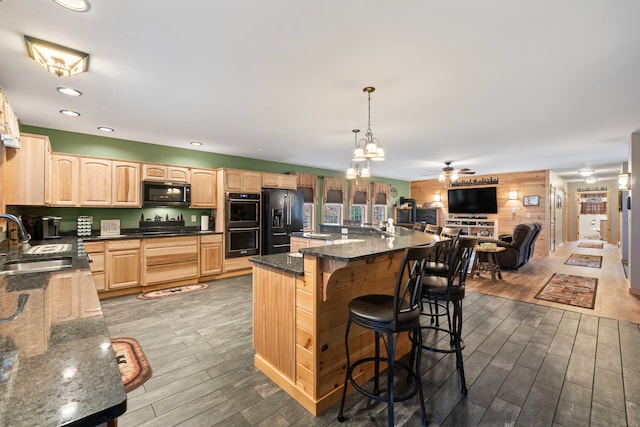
(495, 85)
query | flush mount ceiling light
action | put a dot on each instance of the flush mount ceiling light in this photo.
(75, 5)
(590, 179)
(586, 172)
(105, 129)
(59, 60)
(70, 113)
(196, 143)
(68, 91)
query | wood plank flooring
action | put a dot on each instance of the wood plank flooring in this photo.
(527, 362)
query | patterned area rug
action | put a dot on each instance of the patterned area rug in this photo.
(578, 291)
(582, 260)
(172, 291)
(133, 365)
(591, 245)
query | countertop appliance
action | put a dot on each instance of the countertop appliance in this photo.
(46, 227)
(282, 214)
(242, 220)
(165, 194)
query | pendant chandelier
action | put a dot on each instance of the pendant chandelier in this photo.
(368, 148)
(355, 170)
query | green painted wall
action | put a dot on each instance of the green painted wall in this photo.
(99, 146)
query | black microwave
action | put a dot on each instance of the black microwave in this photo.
(165, 194)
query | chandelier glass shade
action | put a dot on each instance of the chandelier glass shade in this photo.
(367, 148)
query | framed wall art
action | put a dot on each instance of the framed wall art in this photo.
(531, 200)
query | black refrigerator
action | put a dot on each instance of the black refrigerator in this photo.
(282, 212)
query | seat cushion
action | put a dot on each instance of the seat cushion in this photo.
(435, 287)
(376, 312)
(436, 268)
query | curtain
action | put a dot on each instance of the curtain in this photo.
(381, 193)
(333, 185)
(308, 183)
(359, 190)
(593, 204)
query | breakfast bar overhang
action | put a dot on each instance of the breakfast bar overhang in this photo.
(300, 309)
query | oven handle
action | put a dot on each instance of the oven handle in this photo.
(243, 229)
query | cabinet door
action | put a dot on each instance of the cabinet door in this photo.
(233, 180)
(177, 174)
(203, 188)
(25, 171)
(210, 258)
(126, 185)
(252, 182)
(271, 180)
(154, 172)
(123, 269)
(95, 175)
(65, 180)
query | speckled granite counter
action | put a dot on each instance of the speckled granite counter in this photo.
(289, 263)
(147, 234)
(58, 366)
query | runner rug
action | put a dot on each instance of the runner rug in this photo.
(133, 365)
(172, 291)
(591, 245)
(582, 260)
(578, 291)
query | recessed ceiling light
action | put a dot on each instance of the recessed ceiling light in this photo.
(70, 113)
(75, 5)
(196, 143)
(68, 91)
(105, 129)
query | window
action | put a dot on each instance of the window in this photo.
(332, 213)
(359, 213)
(379, 213)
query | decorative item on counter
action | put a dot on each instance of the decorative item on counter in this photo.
(110, 227)
(83, 226)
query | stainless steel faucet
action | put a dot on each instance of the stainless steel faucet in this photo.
(22, 233)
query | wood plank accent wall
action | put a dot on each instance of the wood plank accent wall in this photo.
(531, 183)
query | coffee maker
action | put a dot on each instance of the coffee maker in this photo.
(46, 227)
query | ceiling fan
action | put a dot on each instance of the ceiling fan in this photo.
(449, 174)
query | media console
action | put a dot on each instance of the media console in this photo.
(475, 226)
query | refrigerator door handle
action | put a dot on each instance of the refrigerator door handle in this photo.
(288, 209)
(280, 234)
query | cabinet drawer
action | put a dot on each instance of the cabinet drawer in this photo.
(118, 245)
(93, 247)
(212, 238)
(171, 242)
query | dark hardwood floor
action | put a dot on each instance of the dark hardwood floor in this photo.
(527, 362)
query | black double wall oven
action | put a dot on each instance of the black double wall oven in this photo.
(242, 231)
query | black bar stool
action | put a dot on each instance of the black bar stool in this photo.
(443, 292)
(387, 315)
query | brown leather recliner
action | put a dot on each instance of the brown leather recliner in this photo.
(519, 246)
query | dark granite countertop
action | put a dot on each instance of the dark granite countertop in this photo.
(141, 233)
(58, 366)
(359, 243)
(287, 262)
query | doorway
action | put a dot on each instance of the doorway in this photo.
(593, 215)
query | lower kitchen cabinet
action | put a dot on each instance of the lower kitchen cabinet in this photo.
(123, 264)
(95, 251)
(170, 259)
(210, 254)
(70, 299)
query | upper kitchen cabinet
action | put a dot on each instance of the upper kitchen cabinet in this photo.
(25, 171)
(277, 180)
(203, 188)
(96, 179)
(241, 181)
(125, 185)
(64, 181)
(165, 173)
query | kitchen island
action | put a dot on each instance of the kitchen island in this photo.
(300, 309)
(58, 366)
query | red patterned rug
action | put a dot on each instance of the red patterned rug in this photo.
(591, 245)
(172, 291)
(583, 260)
(579, 291)
(133, 364)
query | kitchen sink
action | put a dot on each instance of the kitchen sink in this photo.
(35, 266)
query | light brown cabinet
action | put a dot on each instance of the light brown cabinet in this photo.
(126, 185)
(203, 188)
(277, 180)
(170, 259)
(151, 172)
(95, 175)
(70, 298)
(210, 254)
(302, 242)
(26, 168)
(122, 264)
(95, 250)
(242, 181)
(64, 180)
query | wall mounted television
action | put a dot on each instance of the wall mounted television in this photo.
(481, 200)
